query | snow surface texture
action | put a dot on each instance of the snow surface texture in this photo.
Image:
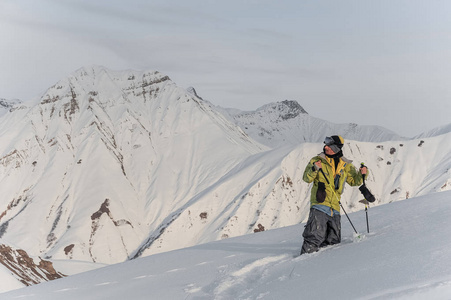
(405, 256)
(111, 166)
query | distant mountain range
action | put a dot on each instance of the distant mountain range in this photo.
(114, 165)
(435, 132)
(8, 105)
(287, 123)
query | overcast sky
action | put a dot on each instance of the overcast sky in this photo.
(384, 62)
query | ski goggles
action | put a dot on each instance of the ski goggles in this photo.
(330, 142)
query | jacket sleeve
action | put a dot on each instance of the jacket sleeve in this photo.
(309, 173)
(354, 177)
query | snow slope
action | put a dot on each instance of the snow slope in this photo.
(267, 189)
(405, 256)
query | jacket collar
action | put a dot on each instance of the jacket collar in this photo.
(323, 156)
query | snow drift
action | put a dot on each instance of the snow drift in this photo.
(405, 256)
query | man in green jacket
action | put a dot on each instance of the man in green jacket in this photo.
(323, 227)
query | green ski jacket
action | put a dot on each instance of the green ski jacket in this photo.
(345, 172)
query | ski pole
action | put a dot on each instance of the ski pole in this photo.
(369, 195)
(347, 215)
(366, 207)
(367, 223)
(333, 190)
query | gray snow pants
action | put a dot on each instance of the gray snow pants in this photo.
(321, 230)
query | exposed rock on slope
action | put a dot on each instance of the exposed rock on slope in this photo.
(23, 267)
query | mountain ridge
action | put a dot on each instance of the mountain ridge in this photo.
(286, 122)
(73, 111)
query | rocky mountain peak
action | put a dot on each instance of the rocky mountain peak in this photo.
(7, 104)
(284, 110)
(192, 91)
(293, 109)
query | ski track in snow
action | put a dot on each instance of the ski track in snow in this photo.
(233, 285)
(105, 283)
(192, 288)
(174, 270)
(66, 290)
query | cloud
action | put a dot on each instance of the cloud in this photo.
(136, 16)
(245, 53)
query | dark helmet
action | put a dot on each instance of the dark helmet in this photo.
(335, 142)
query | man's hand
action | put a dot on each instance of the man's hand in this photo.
(317, 165)
(363, 170)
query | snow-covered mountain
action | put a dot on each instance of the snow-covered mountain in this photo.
(435, 131)
(287, 123)
(405, 256)
(105, 162)
(8, 105)
(116, 165)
